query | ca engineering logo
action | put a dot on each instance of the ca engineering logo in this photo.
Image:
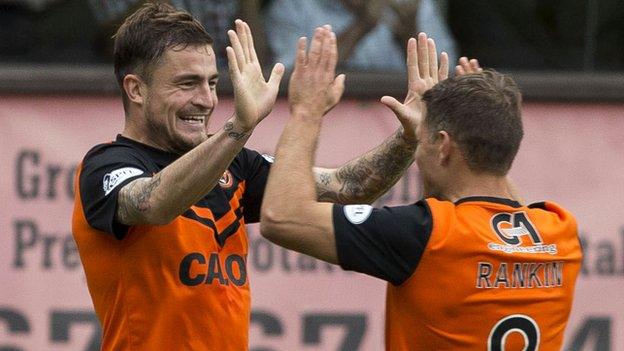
(511, 227)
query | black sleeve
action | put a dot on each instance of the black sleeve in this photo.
(386, 242)
(104, 172)
(257, 172)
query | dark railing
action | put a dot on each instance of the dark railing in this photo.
(99, 79)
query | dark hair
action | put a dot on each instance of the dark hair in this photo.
(481, 112)
(145, 35)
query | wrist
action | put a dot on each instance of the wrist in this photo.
(306, 112)
(241, 124)
(409, 139)
(237, 130)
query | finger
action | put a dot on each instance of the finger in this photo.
(244, 39)
(252, 50)
(232, 65)
(396, 107)
(337, 88)
(459, 70)
(412, 61)
(333, 52)
(316, 46)
(423, 56)
(238, 50)
(326, 57)
(300, 57)
(443, 73)
(465, 64)
(433, 59)
(276, 77)
(474, 64)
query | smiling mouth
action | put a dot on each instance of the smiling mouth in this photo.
(194, 119)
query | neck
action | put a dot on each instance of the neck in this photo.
(471, 184)
(141, 134)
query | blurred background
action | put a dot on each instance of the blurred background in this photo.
(58, 98)
(555, 46)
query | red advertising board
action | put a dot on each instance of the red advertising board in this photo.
(572, 154)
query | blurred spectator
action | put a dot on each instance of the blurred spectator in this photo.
(427, 16)
(364, 41)
(217, 16)
(371, 34)
(521, 35)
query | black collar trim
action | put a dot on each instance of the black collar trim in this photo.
(158, 154)
(497, 200)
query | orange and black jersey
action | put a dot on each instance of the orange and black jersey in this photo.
(177, 286)
(481, 273)
(111, 166)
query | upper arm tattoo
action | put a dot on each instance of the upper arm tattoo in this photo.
(134, 199)
(367, 177)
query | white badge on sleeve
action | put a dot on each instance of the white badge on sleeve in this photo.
(113, 179)
(357, 214)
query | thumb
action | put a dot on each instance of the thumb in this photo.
(276, 76)
(338, 87)
(396, 107)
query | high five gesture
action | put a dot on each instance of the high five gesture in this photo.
(423, 72)
(253, 95)
(314, 87)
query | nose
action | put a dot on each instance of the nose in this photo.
(205, 97)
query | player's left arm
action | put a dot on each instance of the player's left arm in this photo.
(366, 178)
(291, 216)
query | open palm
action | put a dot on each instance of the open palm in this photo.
(254, 97)
(423, 73)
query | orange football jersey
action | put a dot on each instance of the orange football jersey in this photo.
(179, 286)
(486, 273)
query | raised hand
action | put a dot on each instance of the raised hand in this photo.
(254, 97)
(423, 73)
(314, 89)
(466, 66)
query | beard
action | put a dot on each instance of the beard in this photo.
(167, 138)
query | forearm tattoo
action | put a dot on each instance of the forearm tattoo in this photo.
(135, 199)
(366, 178)
(229, 128)
(324, 190)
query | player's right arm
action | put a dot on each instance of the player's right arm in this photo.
(159, 199)
(170, 192)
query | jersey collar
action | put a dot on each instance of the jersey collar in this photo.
(498, 200)
(159, 155)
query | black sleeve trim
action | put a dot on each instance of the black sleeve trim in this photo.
(100, 205)
(388, 244)
(540, 205)
(256, 174)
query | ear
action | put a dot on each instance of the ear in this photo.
(445, 146)
(134, 88)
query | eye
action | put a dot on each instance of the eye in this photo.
(212, 84)
(187, 84)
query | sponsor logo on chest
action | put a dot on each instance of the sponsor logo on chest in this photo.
(197, 268)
